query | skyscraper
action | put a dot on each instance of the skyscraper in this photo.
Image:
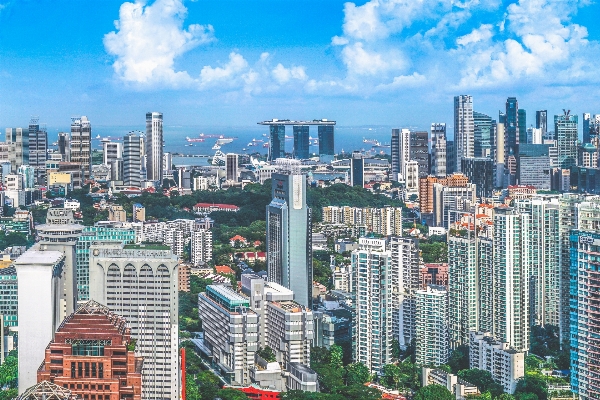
(483, 136)
(419, 151)
(511, 129)
(591, 128)
(326, 142)
(132, 161)
(140, 284)
(565, 128)
(541, 121)
(289, 233)
(38, 149)
(431, 326)
(232, 167)
(154, 146)
(64, 146)
(438, 149)
(357, 169)
(522, 118)
(18, 150)
(480, 171)
(301, 141)
(81, 144)
(463, 129)
(276, 141)
(111, 152)
(400, 151)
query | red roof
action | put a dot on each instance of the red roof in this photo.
(224, 269)
(237, 237)
(217, 205)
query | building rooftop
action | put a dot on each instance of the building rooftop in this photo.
(146, 246)
(39, 257)
(47, 391)
(8, 271)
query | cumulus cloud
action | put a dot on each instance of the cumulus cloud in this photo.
(483, 33)
(148, 39)
(283, 75)
(226, 73)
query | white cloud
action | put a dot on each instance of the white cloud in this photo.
(148, 39)
(226, 73)
(283, 75)
(360, 61)
(483, 33)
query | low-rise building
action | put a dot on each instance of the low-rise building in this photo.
(116, 213)
(458, 387)
(210, 207)
(505, 364)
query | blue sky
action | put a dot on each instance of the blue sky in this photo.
(381, 62)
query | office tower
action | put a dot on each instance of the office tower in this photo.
(534, 165)
(447, 198)
(431, 326)
(511, 127)
(450, 157)
(419, 151)
(326, 142)
(500, 155)
(481, 172)
(8, 298)
(483, 135)
(400, 150)
(565, 128)
(357, 169)
(61, 233)
(438, 149)
(373, 329)
(587, 156)
(541, 121)
(96, 350)
(470, 256)
(289, 233)
(231, 166)
(201, 246)
(543, 247)
(404, 278)
(522, 119)
(426, 189)
(411, 177)
(276, 141)
(154, 146)
(534, 136)
(132, 162)
(140, 284)
(89, 235)
(18, 151)
(38, 150)
(591, 128)
(64, 146)
(40, 309)
(81, 144)
(510, 279)
(505, 364)
(111, 152)
(464, 129)
(301, 141)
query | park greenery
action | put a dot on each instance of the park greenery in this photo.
(8, 377)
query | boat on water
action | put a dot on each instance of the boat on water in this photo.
(190, 144)
(216, 147)
(266, 145)
(97, 137)
(190, 140)
(250, 144)
(223, 140)
(371, 141)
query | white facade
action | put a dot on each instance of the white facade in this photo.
(464, 129)
(154, 146)
(40, 310)
(111, 152)
(201, 246)
(505, 364)
(411, 177)
(438, 150)
(141, 285)
(431, 326)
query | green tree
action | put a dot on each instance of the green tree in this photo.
(9, 394)
(9, 371)
(505, 396)
(391, 376)
(527, 396)
(191, 389)
(336, 355)
(330, 378)
(482, 379)
(459, 359)
(267, 354)
(430, 392)
(208, 385)
(357, 374)
(395, 349)
(532, 384)
(359, 392)
(232, 394)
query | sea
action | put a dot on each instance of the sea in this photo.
(246, 139)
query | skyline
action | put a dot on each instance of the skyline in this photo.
(364, 63)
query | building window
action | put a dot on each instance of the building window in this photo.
(87, 369)
(93, 370)
(79, 370)
(72, 370)
(101, 374)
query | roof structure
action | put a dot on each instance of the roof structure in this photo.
(92, 307)
(47, 391)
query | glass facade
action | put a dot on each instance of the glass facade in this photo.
(483, 134)
(326, 142)
(276, 142)
(301, 141)
(8, 296)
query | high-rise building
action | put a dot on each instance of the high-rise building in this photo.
(138, 213)
(154, 146)
(201, 246)
(140, 284)
(483, 135)
(111, 152)
(450, 198)
(38, 149)
(500, 156)
(301, 141)
(534, 165)
(450, 157)
(81, 144)
(40, 310)
(419, 151)
(372, 333)
(438, 150)
(96, 354)
(276, 141)
(510, 279)
(565, 128)
(289, 233)
(326, 143)
(357, 169)
(64, 146)
(400, 150)
(481, 172)
(511, 127)
(541, 121)
(232, 166)
(591, 128)
(431, 326)
(18, 147)
(464, 129)
(132, 161)
(8, 298)
(522, 117)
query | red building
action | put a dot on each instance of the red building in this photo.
(92, 355)
(256, 393)
(434, 274)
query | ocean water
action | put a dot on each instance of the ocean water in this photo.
(347, 139)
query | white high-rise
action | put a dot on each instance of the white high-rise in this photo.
(431, 326)
(464, 129)
(154, 146)
(438, 150)
(201, 246)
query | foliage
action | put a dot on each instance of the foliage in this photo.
(459, 359)
(13, 239)
(354, 392)
(391, 376)
(545, 341)
(131, 345)
(9, 394)
(9, 371)
(505, 396)
(434, 252)
(395, 348)
(482, 379)
(357, 374)
(532, 384)
(335, 357)
(322, 273)
(232, 394)
(189, 319)
(267, 354)
(437, 392)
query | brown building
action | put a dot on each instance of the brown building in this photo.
(426, 188)
(92, 355)
(434, 274)
(184, 277)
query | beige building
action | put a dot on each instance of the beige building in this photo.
(117, 213)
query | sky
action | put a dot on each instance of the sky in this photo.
(234, 63)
